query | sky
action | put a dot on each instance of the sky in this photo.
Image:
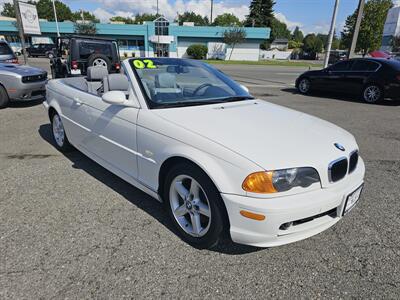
(310, 15)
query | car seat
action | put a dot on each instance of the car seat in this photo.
(94, 78)
(166, 88)
(115, 82)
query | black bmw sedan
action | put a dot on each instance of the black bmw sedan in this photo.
(373, 79)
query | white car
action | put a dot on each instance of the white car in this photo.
(221, 161)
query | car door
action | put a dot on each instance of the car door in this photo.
(361, 69)
(34, 50)
(334, 77)
(112, 136)
(73, 114)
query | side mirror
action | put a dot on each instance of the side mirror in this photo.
(114, 97)
(245, 88)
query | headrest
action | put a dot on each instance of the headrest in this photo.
(115, 82)
(165, 80)
(96, 73)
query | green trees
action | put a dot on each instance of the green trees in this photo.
(279, 30)
(87, 16)
(370, 36)
(189, 16)
(125, 20)
(297, 35)
(261, 13)
(86, 28)
(45, 11)
(8, 10)
(197, 51)
(227, 19)
(141, 18)
(312, 45)
(234, 36)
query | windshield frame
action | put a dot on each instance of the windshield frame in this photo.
(153, 105)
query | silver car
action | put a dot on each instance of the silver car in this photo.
(19, 82)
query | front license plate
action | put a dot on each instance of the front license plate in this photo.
(76, 72)
(352, 200)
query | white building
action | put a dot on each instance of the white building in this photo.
(392, 26)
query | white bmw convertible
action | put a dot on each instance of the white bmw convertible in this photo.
(221, 161)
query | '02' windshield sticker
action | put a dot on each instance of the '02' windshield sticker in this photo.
(143, 64)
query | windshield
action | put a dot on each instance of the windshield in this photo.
(170, 82)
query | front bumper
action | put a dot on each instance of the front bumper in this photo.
(313, 211)
(27, 91)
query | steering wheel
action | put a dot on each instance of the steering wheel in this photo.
(201, 87)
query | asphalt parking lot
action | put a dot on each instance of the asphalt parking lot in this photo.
(71, 229)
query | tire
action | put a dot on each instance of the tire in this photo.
(304, 86)
(4, 99)
(59, 135)
(372, 93)
(99, 60)
(200, 220)
(50, 55)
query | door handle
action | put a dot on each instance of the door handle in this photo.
(78, 101)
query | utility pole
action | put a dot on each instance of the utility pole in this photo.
(157, 8)
(357, 28)
(55, 18)
(21, 30)
(331, 34)
(211, 17)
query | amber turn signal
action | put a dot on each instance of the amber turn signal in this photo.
(251, 215)
(259, 182)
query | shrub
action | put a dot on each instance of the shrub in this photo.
(197, 51)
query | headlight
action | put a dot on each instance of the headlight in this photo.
(280, 180)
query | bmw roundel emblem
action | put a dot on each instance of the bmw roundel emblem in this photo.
(339, 146)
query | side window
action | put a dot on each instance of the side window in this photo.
(365, 66)
(341, 66)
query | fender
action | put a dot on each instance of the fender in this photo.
(227, 171)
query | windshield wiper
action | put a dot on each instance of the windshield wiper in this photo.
(236, 98)
(189, 103)
(202, 102)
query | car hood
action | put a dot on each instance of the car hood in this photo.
(272, 136)
(20, 69)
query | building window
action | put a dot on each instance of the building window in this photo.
(161, 26)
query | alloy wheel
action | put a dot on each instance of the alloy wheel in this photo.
(372, 94)
(304, 86)
(190, 205)
(58, 130)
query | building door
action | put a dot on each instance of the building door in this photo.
(161, 50)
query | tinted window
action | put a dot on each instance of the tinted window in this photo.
(365, 66)
(5, 49)
(87, 49)
(341, 66)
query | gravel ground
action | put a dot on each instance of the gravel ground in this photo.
(71, 229)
